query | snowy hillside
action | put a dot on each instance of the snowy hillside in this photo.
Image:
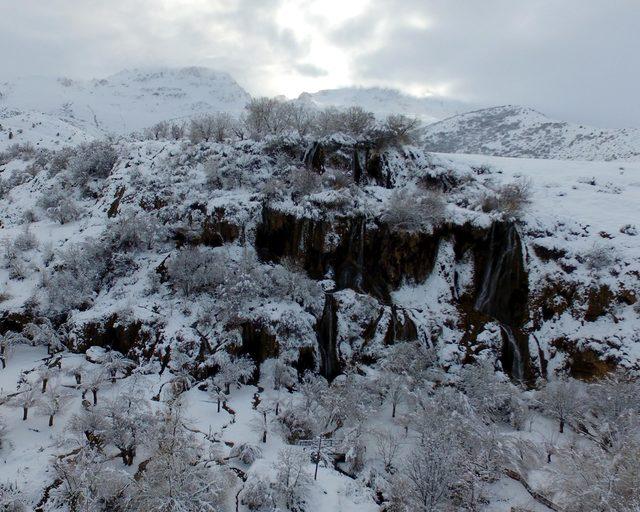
(383, 102)
(265, 321)
(125, 102)
(522, 132)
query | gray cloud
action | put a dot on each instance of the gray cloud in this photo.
(573, 59)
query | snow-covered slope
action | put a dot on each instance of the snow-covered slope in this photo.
(125, 102)
(522, 132)
(388, 101)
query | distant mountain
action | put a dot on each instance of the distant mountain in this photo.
(388, 101)
(125, 102)
(522, 132)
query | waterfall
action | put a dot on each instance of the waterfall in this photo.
(504, 251)
(503, 295)
(513, 355)
(327, 334)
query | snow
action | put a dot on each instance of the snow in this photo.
(383, 102)
(523, 132)
(119, 104)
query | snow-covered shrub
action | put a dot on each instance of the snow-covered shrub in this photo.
(265, 116)
(396, 131)
(25, 241)
(16, 151)
(297, 424)
(561, 399)
(599, 257)
(11, 498)
(509, 199)
(273, 189)
(16, 261)
(87, 482)
(92, 160)
(176, 478)
(158, 131)
(72, 283)
(67, 210)
(4, 188)
(409, 210)
(220, 174)
(246, 453)
(289, 282)
(336, 179)
(193, 270)
(629, 229)
(60, 160)
(132, 231)
(304, 183)
(257, 494)
(354, 121)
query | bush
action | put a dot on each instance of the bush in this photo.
(25, 241)
(246, 453)
(336, 179)
(257, 494)
(510, 199)
(17, 151)
(65, 211)
(220, 175)
(92, 160)
(414, 211)
(304, 183)
(132, 231)
(599, 257)
(194, 270)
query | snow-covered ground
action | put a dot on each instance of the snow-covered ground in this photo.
(523, 132)
(157, 255)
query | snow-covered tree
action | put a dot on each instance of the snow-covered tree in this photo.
(25, 399)
(176, 478)
(293, 478)
(561, 399)
(257, 494)
(53, 401)
(93, 382)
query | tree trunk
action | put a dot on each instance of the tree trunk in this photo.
(393, 410)
(51, 420)
(218, 404)
(78, 377)
(562, 426)
(264, 436)
(95, 396)
(44, 385)
(277, 408)
(25, 413)
(4, 363)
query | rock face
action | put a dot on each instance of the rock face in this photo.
(369, 258)
(364, 256)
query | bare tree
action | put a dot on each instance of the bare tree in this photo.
(561, 399)
(293, 479)
(387, 447)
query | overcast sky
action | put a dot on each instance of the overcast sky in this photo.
(577, 60)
